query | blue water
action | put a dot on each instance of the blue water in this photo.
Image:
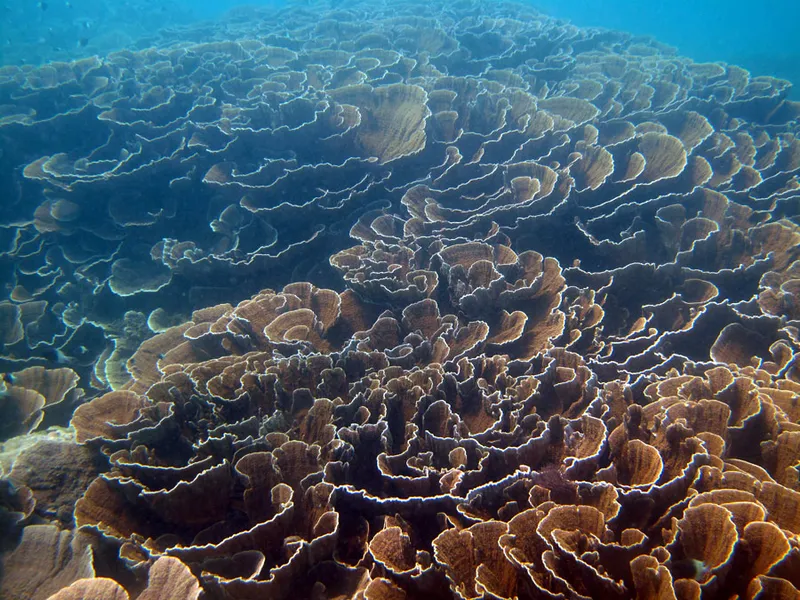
(759, 36)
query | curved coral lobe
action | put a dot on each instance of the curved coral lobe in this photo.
(418, 300)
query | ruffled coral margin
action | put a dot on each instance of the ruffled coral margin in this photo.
(564, 364)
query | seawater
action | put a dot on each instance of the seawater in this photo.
(759, 36)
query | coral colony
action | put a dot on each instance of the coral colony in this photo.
(429, 300)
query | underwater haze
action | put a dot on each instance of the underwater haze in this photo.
(392, 300)
(761, 37)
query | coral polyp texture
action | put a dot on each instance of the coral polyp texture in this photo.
(420, 300)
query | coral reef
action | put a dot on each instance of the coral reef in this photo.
(444, 300)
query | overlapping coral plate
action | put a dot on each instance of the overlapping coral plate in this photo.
(431, 300)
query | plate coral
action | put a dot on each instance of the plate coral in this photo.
(421, 300)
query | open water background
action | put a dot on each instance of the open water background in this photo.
(760, 36)
(763, 37)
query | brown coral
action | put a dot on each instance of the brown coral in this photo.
(559, 361)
